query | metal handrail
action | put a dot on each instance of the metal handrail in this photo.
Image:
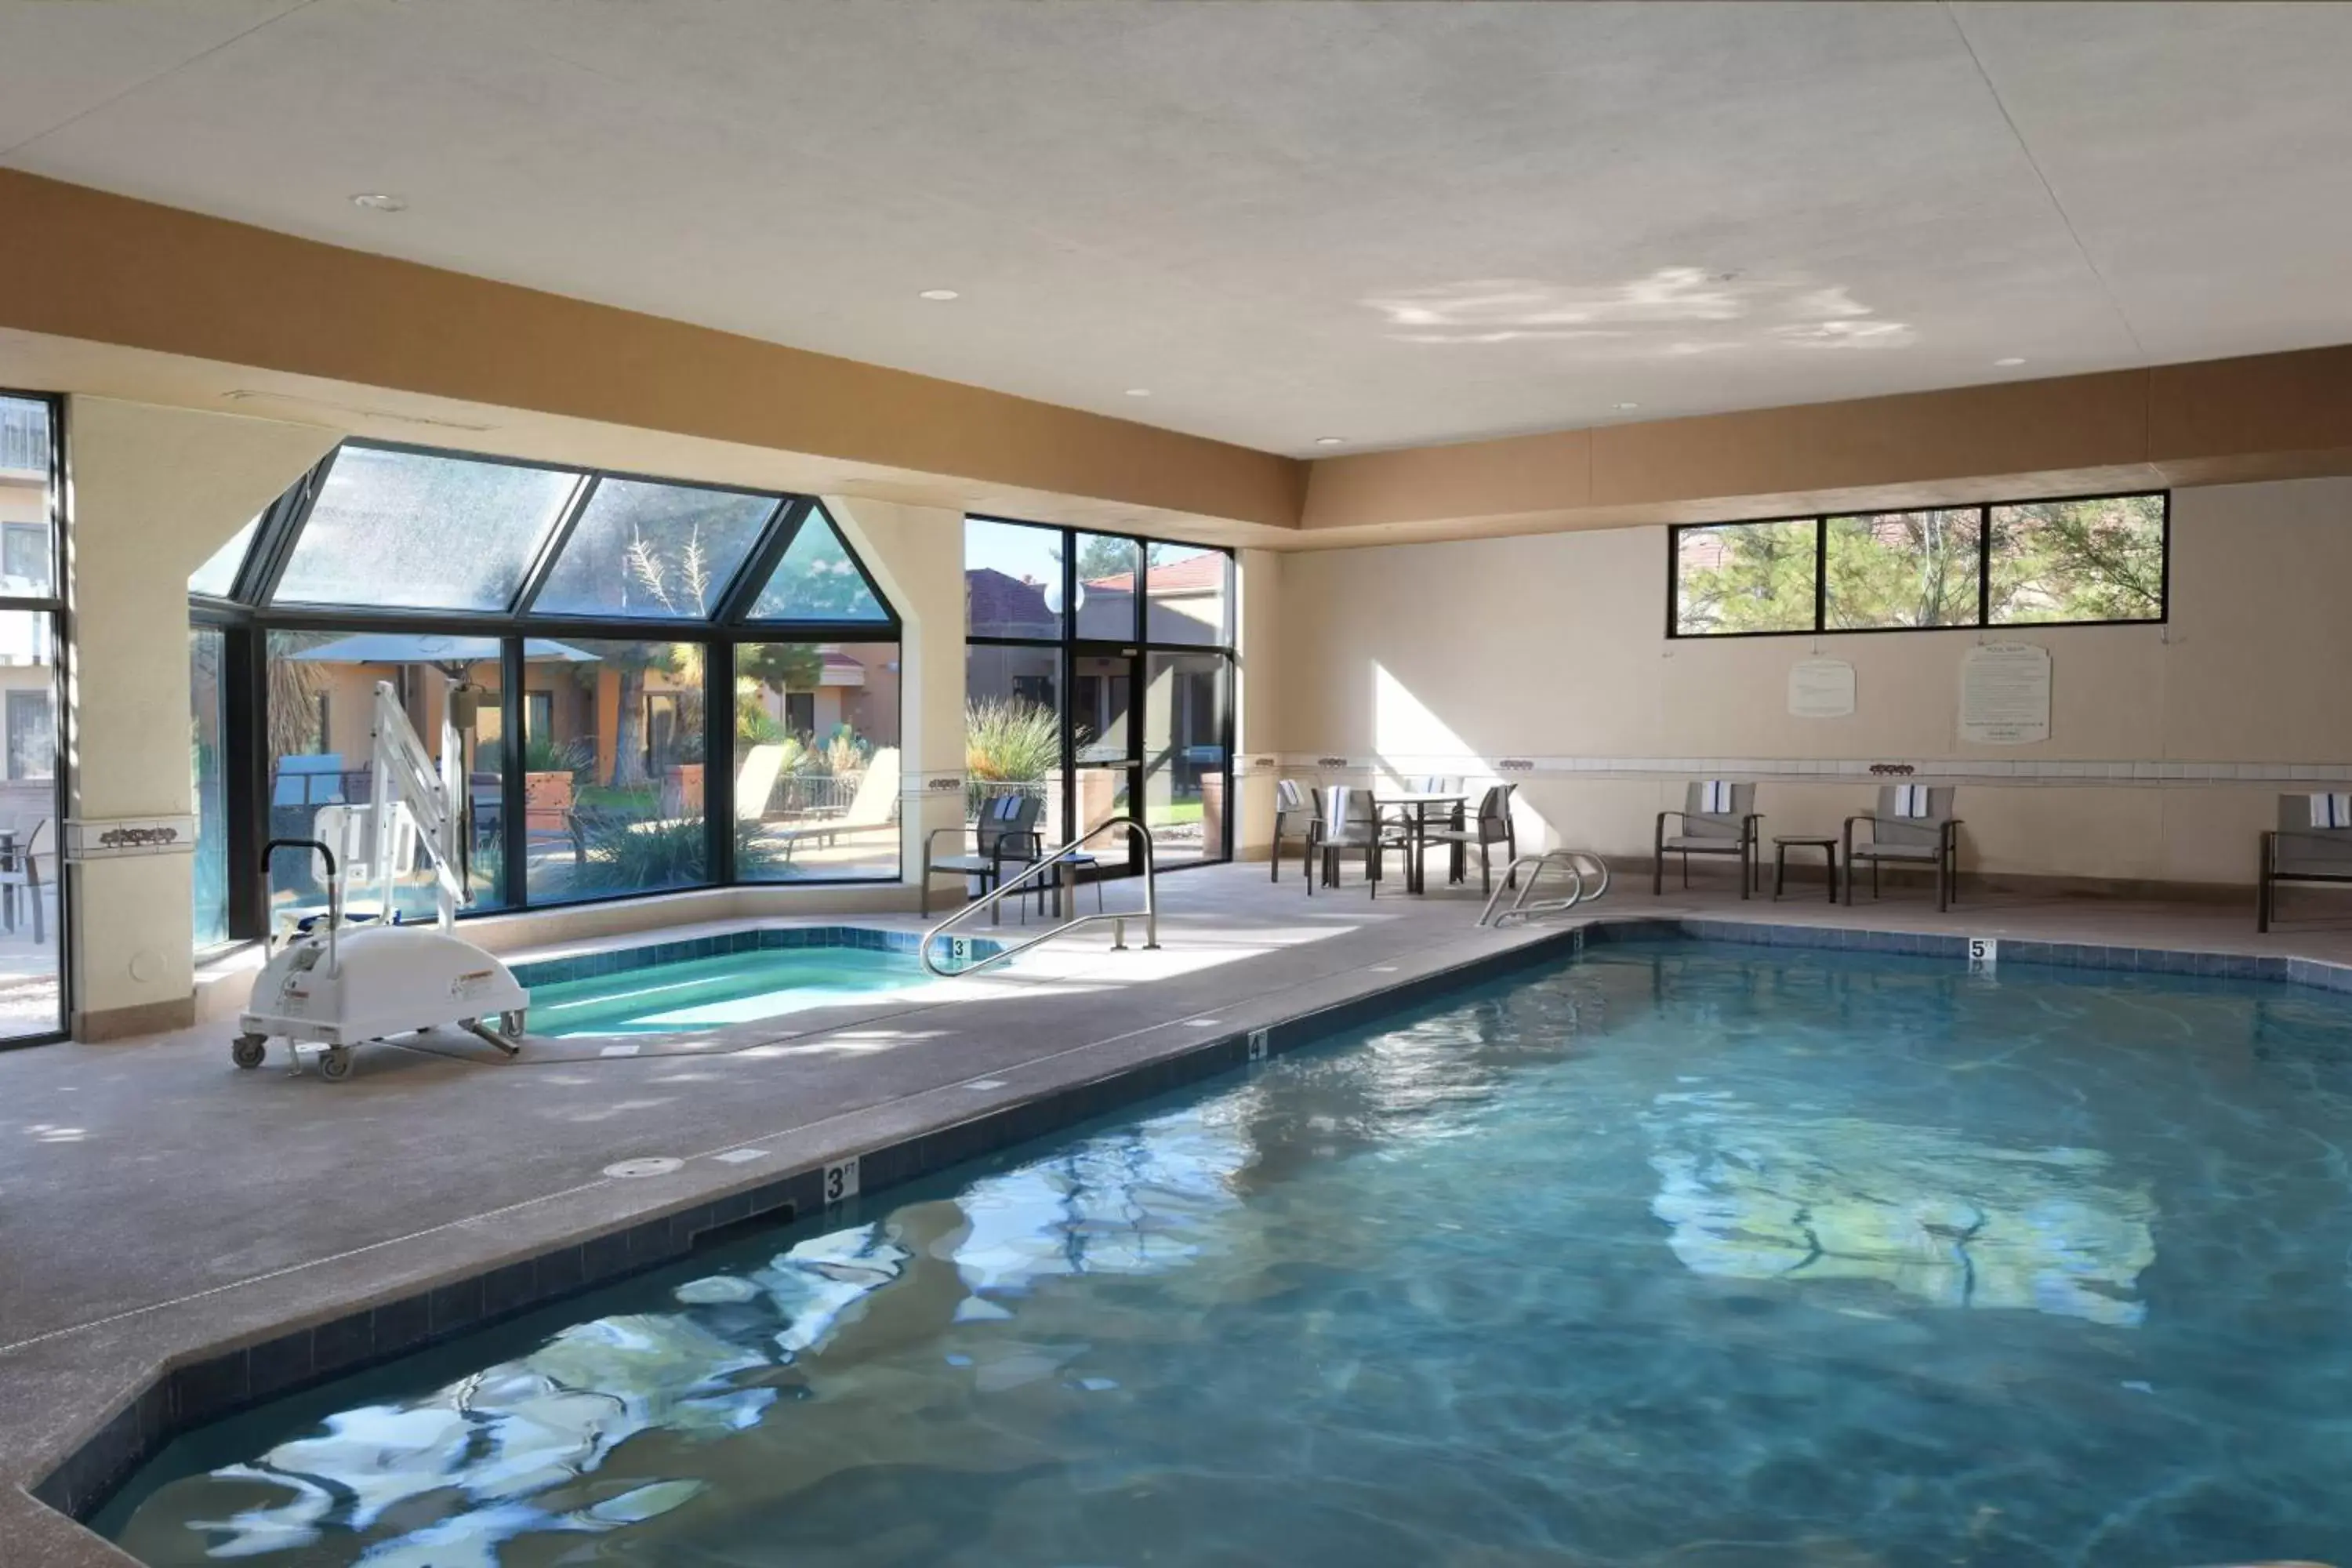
(1526, 906)
(1052, 861)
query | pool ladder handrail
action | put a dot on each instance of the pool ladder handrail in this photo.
(1526, 906)
(1052, 860)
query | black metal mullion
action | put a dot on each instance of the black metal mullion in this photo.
(744, 568)
(552, 548)
(1821, 574)
(1984, 566)
(244, 777)
(514, 716)
(267, 569)
(782, 529)
(719, 761)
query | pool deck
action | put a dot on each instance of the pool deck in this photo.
(158, 1207)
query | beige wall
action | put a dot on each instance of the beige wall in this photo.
(1449, 658)
(152, 492)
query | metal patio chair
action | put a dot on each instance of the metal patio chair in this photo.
(1913, 825)
(1718, 817)
(1491, 826)
(1297, 807)
(2311, 844)
(1350, 821)
(1004, 835)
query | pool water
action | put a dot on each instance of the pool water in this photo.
(712, 992)
(1681, 1254)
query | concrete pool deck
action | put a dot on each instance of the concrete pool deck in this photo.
(157, 1205)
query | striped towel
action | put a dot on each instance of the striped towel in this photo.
(2331, 810)
(1715, 796)
(1911, 800)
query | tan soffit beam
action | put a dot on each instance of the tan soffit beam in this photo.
(84, 264)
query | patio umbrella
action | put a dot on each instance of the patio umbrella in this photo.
(450, 655)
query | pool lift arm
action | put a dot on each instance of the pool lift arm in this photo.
(336, 989)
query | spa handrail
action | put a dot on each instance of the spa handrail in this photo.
(1052, 860)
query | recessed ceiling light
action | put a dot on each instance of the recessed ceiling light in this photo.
(1624, 407)
(940, 294)
(1330, 440)
(378, 202)
(1139, 391)
(2011, 360)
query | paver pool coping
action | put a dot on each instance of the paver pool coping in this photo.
(204, 1388)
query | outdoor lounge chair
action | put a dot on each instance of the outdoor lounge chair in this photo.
(1297, 809)
(1491, 826)
(1003, 837)
(1718, 818)
(874, 806)
(1913, 825)
(2312, 843)
(1350, 821)
(755, 781)
(20, 869)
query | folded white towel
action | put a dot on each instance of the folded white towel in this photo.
(1910, 800)
(1715, 796)
(2331, 810)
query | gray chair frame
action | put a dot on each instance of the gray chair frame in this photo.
(1492, 826)
(1735, 831)
(1292, 800)
(1361, 825)
(2295, 852)
(21, 868)
(1931, 840)
(1004, 834)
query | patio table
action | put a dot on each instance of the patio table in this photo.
(1414, 807)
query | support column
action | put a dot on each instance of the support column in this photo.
(152, 493)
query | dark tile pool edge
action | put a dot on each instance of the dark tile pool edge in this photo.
(2318, 973)
(206, 1388)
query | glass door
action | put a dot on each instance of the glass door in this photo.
(1185, 705)
(1106, 762)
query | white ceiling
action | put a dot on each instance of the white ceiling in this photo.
(1394, 223)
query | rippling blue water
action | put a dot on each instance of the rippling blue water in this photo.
(1684, 1255)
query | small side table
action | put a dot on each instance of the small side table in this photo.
(1784, 842)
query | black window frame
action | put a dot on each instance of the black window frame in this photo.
(1066, 645)
(61, 629)
(249, 614)
(1982, 622)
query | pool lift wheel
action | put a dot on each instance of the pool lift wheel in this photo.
(336, 984)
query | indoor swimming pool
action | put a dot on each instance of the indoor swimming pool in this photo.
(1680, 1253)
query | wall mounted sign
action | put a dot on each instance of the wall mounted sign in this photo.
(1821, 688)
(2005, 694)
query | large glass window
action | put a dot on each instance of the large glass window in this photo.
(1120, 709)
(817, 780)
(416, 531)
(818, 580)
(613, 792)
(2054, 561)
(32, 948)
(209, 760)
(1011, 581)
(591, 615)
(2082, 562)
(653, 552)
(1108, 569)
(1187, 589)
(321, 692)
(1745, 577)
(1903, 569)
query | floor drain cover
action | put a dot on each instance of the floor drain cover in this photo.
(652, 1165)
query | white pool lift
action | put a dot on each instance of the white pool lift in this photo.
(329, 987)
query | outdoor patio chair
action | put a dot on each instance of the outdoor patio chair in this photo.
(2312, 844)
(873, 807)
(1718, 817)
(1491, 826)
(1913, 825)
(1297, 809)
(755, 781)
(1005, 841)
(1350, 820)
(20, 869)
